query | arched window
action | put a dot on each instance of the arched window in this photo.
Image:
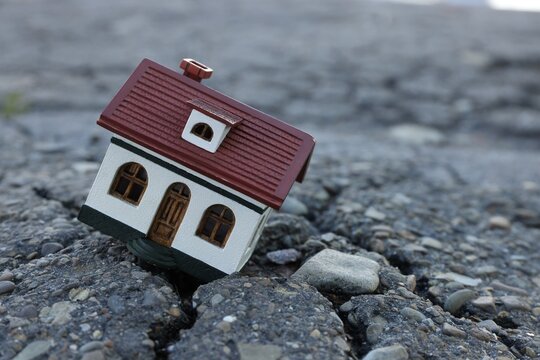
(203, 131)
(130, 183)
(216, 225)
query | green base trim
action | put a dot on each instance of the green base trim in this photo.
(147, 250)
(107, 224)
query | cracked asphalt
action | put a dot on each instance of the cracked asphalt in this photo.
(427, 163)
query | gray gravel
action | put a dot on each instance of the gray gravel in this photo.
(427, 123)
(261, 318)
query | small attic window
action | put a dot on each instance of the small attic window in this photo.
(202, 130)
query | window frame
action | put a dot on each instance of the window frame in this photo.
(123, 174)
(219, 219)
(207, 133)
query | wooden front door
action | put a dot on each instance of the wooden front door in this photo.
(170, 214)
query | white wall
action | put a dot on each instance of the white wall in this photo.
(227, 259)
(255, 237)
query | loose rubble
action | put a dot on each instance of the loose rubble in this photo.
(426, 164)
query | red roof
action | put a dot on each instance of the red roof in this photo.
(219, 114)
(260, 157)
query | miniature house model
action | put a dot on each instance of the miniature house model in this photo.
(191, 175)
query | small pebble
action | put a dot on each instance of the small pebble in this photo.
(32, 255)
(149, 343)
(457, 299)
(33, 350)
(465, 280)
(285, 256)
(375, 214)
(481, 334)
(496, 284)
(490, 325)
(487, 270)
(451, 330)
(515, 303)
(174, 311)
(94, 355)
(6, 276)
(412, 314)
(78, 294)
(28, 312)
(486, 303)
(394, 352)
(6, 287)
(91, 346)
(499, 222)
(431, 243)
(216, 299)
(51, 248)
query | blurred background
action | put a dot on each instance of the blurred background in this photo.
(452, 72)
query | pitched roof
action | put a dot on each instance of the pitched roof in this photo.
(260, 157)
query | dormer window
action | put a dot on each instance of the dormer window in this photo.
(202, 130)
(208, 125)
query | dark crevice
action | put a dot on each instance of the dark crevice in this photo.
(407, 268)
(505, 63)
(167, 334)
(69, 205)
(399, 261)
(504, 320)
(355, 336)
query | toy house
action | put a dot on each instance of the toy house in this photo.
(191, 175)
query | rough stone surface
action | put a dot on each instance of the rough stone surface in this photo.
(418, 338)
(256, 310)
(87, 314)
(336, 272)
(427, 126)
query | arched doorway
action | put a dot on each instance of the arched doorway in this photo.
(170, 214)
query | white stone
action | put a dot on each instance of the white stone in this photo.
(416, 134)
(375, 214)
(229, 318)
(462, 279)
(431, 243)
(394, 352)
(499, 222)
(333, 271)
